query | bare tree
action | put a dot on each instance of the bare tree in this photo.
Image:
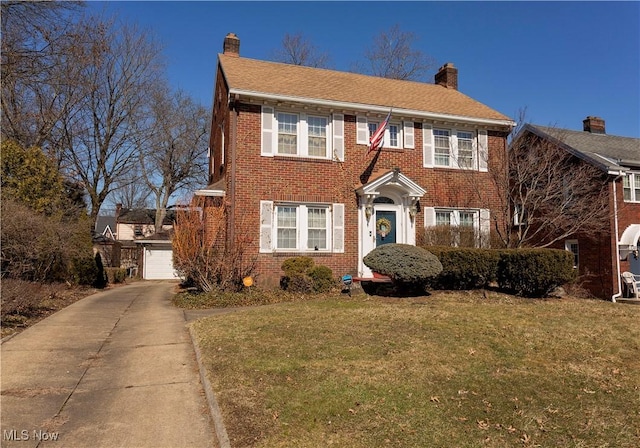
(120, 67)
(544, 193)
(173, 157)
(297, 50)
(553, 194)
(393, 55)
(131, 191)
(39, 70)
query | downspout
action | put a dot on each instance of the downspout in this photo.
(232, 184)
(615, 221)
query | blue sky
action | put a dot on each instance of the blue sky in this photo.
(561, 61)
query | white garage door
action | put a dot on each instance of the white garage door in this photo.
(158, 264)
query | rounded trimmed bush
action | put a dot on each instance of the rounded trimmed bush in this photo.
(404, 263)
(296, 265)
(322, 277)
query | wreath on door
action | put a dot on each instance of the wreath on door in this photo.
(383, 227)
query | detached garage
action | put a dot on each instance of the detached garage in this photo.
(157, 259)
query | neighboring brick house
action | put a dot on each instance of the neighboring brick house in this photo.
(602, 259)
(288, 155)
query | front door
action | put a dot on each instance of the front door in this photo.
(385, 227)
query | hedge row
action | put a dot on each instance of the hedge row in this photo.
(525, 272)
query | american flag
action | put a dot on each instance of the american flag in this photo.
(377, 139)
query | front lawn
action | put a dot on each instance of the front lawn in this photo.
(448, 370)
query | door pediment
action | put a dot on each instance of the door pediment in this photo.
(393, 178)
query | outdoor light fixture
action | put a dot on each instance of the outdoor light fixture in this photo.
(368, 211)
(413, 210)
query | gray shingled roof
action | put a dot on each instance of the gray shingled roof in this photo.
(609, 152)
(255, 77)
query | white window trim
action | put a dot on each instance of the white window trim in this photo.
(633, 177)
(301, 227)
(481, 220)
(334, 148)
(567, 247)
(406, 133)
(479, 148)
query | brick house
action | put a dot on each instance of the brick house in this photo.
(288, 155)
(603, 258)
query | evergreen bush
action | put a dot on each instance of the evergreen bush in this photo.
(534, 272)
(404, 263)
(465, 268)
(116, 275)
(301, 275)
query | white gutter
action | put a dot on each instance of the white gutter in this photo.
(210, 193)
(615, 220)
(371, 108)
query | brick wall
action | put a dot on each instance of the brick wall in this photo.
(308, 180)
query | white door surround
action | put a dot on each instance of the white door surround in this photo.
(392, 192)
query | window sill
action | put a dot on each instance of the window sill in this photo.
(302, 158)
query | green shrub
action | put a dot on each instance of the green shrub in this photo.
(116, 275)
(322, 277)
(301, 275)
(297, 265)
(404, 263)
(465, 268)
(84, 271)
(534, 272)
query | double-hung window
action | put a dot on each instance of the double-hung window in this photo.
(442, 145)
(302, 227)
(317, 136)
(465, 149)
(631, 187)
(455, 227)
(572, 246)
(287, 133)
(454, 149)
(397, 135)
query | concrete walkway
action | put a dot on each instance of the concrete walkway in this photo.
(116, 369)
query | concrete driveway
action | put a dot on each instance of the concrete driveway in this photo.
(116, 369)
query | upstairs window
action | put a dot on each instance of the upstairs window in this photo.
(442, 145)
(454, 148)
(397, 135)
(631, 187)
(465, 149)
(298, 134)
(317, 142)
(287, 133)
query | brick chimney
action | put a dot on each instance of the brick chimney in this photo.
(231, 45)
(595, 125)
(447, 76)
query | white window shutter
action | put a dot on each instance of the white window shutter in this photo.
(485, 227)
(269, 131)
(338, 137)
(429, 216)
(362, 131)
(483, 151)
(409, 140)
(427, 145)
(338, 228)
(266, 226)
